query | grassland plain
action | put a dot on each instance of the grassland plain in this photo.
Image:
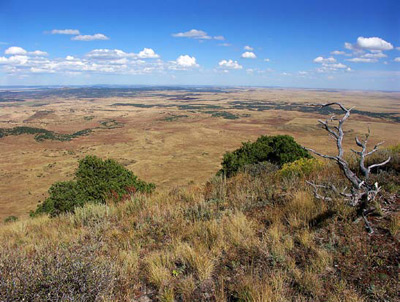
(258, 236)
(171, 137)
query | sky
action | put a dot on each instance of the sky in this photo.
(352, 44)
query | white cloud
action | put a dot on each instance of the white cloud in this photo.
(375, 55)
(192, 34)
(348, 45)
(266, 60)
(337, 66)
(148, 53)
(108, 54)
(229, 64)
(372, 43)
(15, 50)
(65, 32)
(225, 44)
(324, 60)
(328, 64)
(90, 37)
(38, 53)
(220, 38)
(249, 55)
(18, 60)
(397, 59)
(197, 34)
(338, 52)
(247, 47)
(186, 61)
(362, 60)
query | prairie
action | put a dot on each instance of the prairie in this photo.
(169, 136)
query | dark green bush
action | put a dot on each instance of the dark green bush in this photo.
(96, 181)
(278, 150)
(11, 218)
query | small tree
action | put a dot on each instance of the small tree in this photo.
(362, 191)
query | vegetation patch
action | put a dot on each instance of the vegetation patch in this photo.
(96, 181)
(134, 105)
(111, 124)
(10, 100)
(279, 150)
(88, 117)
(223, 114)
(268, 105)
(172, 118)
(42, 134)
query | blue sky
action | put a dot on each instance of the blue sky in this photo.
(319, 44)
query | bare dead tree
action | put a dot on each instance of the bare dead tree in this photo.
(362, 192)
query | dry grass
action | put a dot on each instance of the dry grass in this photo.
(248, 238)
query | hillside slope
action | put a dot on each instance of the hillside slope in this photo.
(258, 236)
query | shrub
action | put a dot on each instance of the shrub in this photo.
(278, 150)
(96, 180)
(301, 167)
(11, 218)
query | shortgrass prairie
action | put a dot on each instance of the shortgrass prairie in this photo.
(258, 236)
(168, 137)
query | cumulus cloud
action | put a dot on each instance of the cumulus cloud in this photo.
(197, 34)
(249, 55)
(328, 64)
(229, 64)
(90, 37)
(266, 60)
(38, 53)
(362, 60)
(15, 50)
(192, 34)
(186, 61)
(220, 38)
(14, 60)
(108, 54)
(104, 61)
(397, 59)
(372, 43)
(247, 47)
(337, 66)
(324, 60)
(65, 32)
(338, 52)
(148, 53)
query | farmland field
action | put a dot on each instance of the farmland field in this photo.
(169, 136)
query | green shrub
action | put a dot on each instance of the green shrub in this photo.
(278, 150)
(11, 218)
(96, 181)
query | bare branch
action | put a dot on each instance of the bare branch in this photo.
(320, 154)
(318, 196)
(379, 164)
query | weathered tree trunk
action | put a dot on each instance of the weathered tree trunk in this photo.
(362, 192)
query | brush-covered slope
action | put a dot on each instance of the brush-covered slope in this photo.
(258, 236)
